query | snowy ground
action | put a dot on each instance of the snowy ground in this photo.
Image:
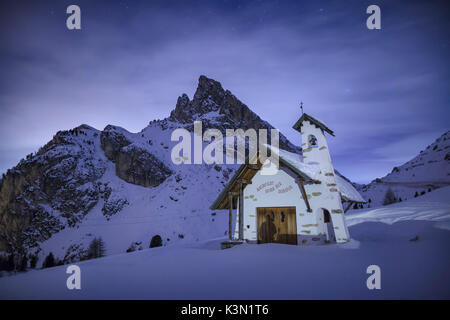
(409, 269)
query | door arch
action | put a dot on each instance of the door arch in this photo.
(328, 226)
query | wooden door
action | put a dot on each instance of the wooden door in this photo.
(277, 224)
(287, 225)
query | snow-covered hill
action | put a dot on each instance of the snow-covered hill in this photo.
(425, 172)
(409, 242)
(121, 186)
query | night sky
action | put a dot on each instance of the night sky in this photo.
(384, 92)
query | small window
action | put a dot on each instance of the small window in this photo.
(272, 216)
(312, 141)
(282, 216)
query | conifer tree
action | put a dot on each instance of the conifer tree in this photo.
(389, 198)
(49, 261)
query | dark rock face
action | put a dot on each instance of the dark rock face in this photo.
(112, 140)
(183, 111)
(60, 177)
(133, 164)
(140, 167)
(113, 202)
(209, 95)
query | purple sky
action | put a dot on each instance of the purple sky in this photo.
(384, 92)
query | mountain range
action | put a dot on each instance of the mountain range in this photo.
(123, 187)
(427, 171)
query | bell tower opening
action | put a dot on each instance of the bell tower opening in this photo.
(312, 141)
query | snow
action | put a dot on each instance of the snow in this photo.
(434, 206)
(409, 269)
(430, 169)
(347, 190)
(314, 172)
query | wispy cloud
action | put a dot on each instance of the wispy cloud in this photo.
(128, 65)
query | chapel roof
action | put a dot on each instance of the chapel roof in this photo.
(305, 171)
(306, 117)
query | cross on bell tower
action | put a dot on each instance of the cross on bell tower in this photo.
(301, 106)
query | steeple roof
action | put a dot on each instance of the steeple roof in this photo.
(305, 117)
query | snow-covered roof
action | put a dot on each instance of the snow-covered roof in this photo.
(347, 190)
(312, 171)
(307, 171)
(319, 124)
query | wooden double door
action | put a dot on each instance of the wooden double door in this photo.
(277, 224)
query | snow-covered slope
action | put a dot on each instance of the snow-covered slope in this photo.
(425, 172)
(409, 242)
(121, 186)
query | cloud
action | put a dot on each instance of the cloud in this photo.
(127, 66)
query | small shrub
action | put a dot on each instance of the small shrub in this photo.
(156, 241)
(131, 248)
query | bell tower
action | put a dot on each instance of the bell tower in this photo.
(315, 151)
(314, 142)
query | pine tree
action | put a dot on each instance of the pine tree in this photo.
(92, 250)
(10, 263)
(7, 263)
(101, 247)
(389, 198)
(33, 261)
(96, 248)
(49, 261)
(23, 264)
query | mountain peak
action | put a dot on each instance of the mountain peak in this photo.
(208, 97)
(231, 112)
(208, 89)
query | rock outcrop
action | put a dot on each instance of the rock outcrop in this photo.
(113, 139)
(140, 167)
(49, 190)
